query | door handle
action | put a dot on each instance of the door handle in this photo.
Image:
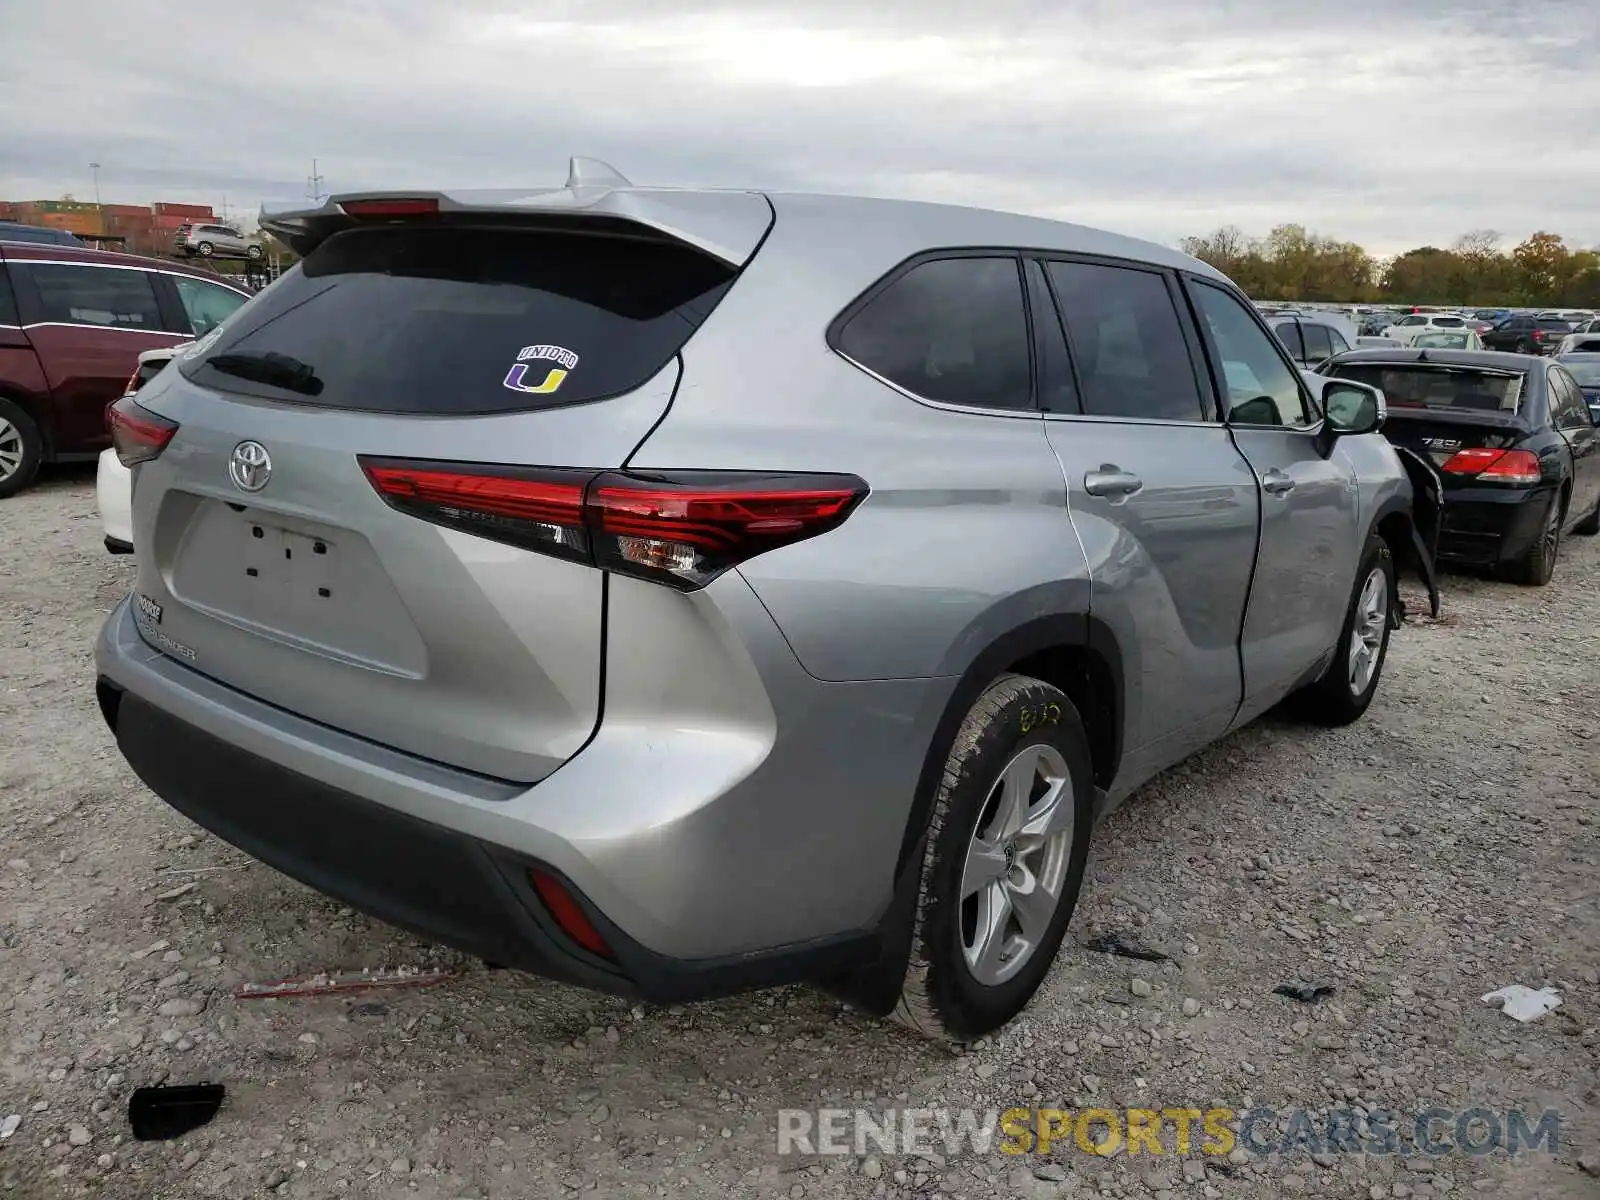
(1111, 480)
(1276, 482)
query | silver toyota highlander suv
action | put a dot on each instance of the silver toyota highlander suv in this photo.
(681, 592)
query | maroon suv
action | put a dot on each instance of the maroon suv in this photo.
(73, 322)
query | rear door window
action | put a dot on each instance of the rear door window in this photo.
(111, 297)
(8, 301)
(1127, 342)
(1289, 334)
(953, 330)
(1318, 345)
(465, 320)
(1567, 407)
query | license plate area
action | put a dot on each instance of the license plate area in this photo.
(291, 572)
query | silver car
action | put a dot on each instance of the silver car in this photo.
(216, 241)
(682, 592)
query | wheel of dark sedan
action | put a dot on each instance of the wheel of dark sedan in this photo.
(1538, 563)
(1003, 862)
(206, 249)
(1346, 689)
(21, 448)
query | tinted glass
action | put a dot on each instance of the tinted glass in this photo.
(1448, 322)
(8, 302)
(1127, 343)
(1318, 344)
(115, 298)
(443, 320)
(952, 330)
(1567, 407)
(1289, 334)
(1336, 340)
(1058, 393)
(1438, 386)
(207, 305)
(1412, 320)
(1586, 373)
(1551, 325)
(1262, 389)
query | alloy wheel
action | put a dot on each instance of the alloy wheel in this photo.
(1016, 864)
(11, 449)
(1366, 631)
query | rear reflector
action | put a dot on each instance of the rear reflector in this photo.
(138, 434)
(1495, 466)
(567, 914)
(390, 208)
(682, 528)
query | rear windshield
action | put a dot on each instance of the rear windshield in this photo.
(465, 320)
(1423, 386)
(1553, 324)
(1586, 373)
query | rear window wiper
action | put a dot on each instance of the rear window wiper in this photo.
(271, 368)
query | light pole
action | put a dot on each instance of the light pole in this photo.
(95, 167)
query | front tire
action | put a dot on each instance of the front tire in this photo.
(253, 253)
(1346, 689)
(206, 249)
(1003, 862)
(21, 448)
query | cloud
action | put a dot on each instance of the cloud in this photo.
(1392, 125)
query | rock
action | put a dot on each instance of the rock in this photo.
(274, 1177)
(1051, 1172)
(190, 1006)
(1140, 987)
(1194, 1170)
(600, 1115)
(78, 1135)
(173, 980)
(189, 1160)
(10, 1125)
(1191, 1007)
(872, 1168)
(987, 1070)
(400, 1166)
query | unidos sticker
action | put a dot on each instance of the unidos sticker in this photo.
(528, 358)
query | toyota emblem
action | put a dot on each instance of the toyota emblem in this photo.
(250, 466)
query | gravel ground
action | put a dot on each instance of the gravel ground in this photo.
(1443, 847)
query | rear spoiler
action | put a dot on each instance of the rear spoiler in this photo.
(727, 225)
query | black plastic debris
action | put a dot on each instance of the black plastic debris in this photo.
(1115, 943)
(1306, 993)
(159, 1114)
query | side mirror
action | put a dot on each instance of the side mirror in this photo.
(1353, 408)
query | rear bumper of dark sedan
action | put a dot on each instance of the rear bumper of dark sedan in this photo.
(1491, 526)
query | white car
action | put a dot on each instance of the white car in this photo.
(113, 485)
(1414, 323)
(1584, 338)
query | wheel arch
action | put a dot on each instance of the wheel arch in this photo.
(34, 411)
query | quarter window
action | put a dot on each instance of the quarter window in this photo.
(206, 304)
(1127, 342)
(1262, 388)
(952, 330)
(1318, 345)
(106, 296)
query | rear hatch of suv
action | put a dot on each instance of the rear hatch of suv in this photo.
(471, 367)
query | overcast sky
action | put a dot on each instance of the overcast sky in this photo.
(1389, 122)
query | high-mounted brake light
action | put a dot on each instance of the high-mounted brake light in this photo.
(390, 208)
(1495, 466)
(138, 434)
(681, 528)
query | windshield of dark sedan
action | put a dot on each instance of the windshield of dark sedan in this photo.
(1435, 385)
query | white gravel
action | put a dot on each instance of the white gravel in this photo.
(1445, 846)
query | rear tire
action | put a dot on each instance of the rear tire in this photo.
(21, 448)
(206, 249)
(1002, 865)
(1346, 689)
(1538, 563)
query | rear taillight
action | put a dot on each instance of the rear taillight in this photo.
(682, 528)
(1495, 466)
(138, 434)
(1538, 335)
(420, 206)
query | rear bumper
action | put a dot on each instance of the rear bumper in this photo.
(1488, 526)
(113, 496)
(705, 874)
